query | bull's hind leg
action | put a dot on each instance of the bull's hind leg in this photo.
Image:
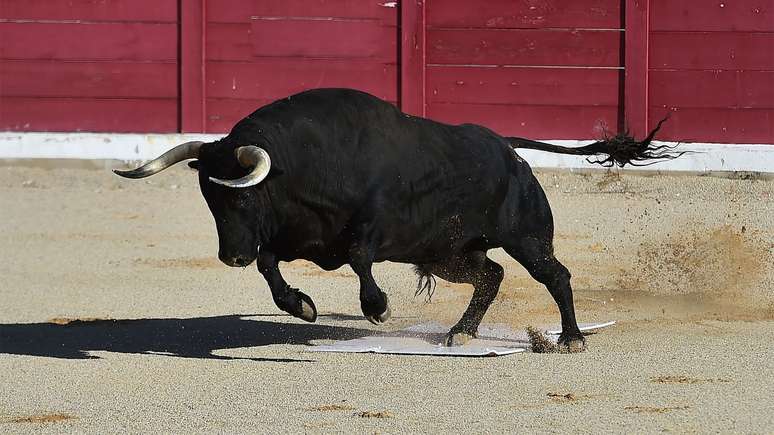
(536, 254)
(287, 299)
(485, 275)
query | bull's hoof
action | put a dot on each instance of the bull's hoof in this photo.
(307, 311)
(571, 344)
(377, 318)
(297, 304)
(457, 339)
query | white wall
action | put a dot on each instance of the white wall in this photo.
(132, 147)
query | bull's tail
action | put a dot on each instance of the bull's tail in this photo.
(620, 150)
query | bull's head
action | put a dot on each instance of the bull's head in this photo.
(229, 200)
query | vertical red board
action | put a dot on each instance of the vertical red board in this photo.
(192, 37)
(412, 57)
(636, 67)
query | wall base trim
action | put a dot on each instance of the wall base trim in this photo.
(705, 157)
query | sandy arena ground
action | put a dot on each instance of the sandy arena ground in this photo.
(117, 316)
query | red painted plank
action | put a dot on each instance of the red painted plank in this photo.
(268, 79)
(717, 125)
(90, 10)
(712, 50)
(413, 57)
(240, 11)
(222, 114)
(103, 41)
(525, 47)
(636, 60)
(329, 39)
(713, 15)
(731, 89)
(539, 122)
(84, 114)
(537, 14)
(234, 42)
(192, 66)
(228, 42)
(540, 86)
(87, 79)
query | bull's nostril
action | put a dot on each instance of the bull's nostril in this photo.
(236, 261)
(239, 261)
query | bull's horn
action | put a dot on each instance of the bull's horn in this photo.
(249, 157)
(188, 150)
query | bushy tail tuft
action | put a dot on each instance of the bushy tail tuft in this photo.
(620, 150)
(426, 283)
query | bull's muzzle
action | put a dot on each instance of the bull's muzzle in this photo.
(235, 261)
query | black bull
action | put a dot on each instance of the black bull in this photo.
(337, 177)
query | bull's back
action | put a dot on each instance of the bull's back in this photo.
(427, 187)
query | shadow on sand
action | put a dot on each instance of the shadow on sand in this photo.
(188, 338)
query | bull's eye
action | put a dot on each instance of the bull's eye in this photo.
(194, 164)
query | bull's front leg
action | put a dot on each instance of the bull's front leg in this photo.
(373, 301)
(287, 299)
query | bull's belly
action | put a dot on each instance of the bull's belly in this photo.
(422, 242)
(398, 247)
(401, 238)
(433, 252)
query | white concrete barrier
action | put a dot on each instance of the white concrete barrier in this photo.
(704, 157)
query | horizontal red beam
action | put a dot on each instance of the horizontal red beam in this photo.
(102, 41)
(88, 79)
(86, 114)
(239, 11)
(712, 50)
(236, 42)
(331, 39)
(228, 42)
(280, 77)
(730, 89)
(540, 122)
(544, 86)
(716, 125)
(596, 14)
(90, 10)
(717, 15)
(525, 47)
(222, 114)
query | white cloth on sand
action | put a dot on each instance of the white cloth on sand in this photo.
(427, 339)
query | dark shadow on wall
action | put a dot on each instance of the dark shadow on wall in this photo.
(188, 338)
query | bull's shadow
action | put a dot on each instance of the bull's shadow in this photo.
(188, 338)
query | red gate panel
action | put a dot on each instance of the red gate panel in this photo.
(712, 69)
(89, 66)
(257, 52)
(544, 69)
(538, 68)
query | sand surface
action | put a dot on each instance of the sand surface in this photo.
(117, 316)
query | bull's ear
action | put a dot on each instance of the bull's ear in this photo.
(194, 164)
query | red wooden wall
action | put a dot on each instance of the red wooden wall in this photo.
(712, 67)
(550, 69)
(260, 51)
(537, 68)
(89, 65)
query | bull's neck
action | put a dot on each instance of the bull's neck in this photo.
(267, 218)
